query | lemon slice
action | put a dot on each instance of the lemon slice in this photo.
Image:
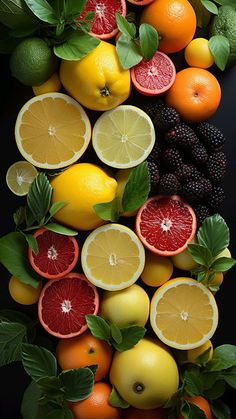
(112, 257)
(123, 137)
(52, 131)
(184, 313)
(19, 177)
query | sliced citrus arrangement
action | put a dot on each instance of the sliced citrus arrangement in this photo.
(123, 137)
(57, 254)
(184, 313)
(112, 257)
(166, 224)
(52, 130)
(19, 177)
(64, 303)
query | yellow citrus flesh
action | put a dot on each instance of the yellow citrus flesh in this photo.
(23, 293)
(53, 84)
(198, 54)
(157, 269)
(184, 313)
(112, 257)
(52, 131)
(123, 137)
(19, 177)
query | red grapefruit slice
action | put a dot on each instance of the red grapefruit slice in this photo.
(64, 303)
(166, 225)
(155, 76)
(57, 255)
(104, 23)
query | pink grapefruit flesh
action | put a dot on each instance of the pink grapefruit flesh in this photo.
(166, 224)
(104, 23)
(155, 76)
(57, 255)
(64, 303)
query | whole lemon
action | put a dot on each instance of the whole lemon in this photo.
(97, 81)
(81, 186)
(145, 376)
(198, 54)
(23, 293)
(157, 269)
(125, 307)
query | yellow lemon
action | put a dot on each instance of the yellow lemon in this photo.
(23, 293)
(53, 84)
(81, 186)
(198, 54)
(97, 81)
(184, 260)
(157, 269)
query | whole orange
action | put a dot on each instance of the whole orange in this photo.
(133, 413)
(84, 350)
(202, 403)
(174, 20)
(96, 405)
(195, 94)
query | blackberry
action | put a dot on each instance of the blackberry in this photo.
(155, 153)
(183, 172)
(199, 154)
(193, 191)
(210, 135)
(201, 212)
(195, 172)
(216, 166)
(181, 136)
(216, 198)
(171, 159)
(207, 186)
(151, 106)
(154, 175)
(166, 117)
(168, 184)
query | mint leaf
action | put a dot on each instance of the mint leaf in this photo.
(210, 6)
(148, 38)
(200, 254)
(217, 391)
(224, 357)
(56, 206)
(116, 333)
(116, 400)
(137, 188)
(32, 242)
(14, 256)
(98, 327)
(193, 382)
(220, 48)
(39, 196)
(130, 336)
(108, 210)
(43, 10)
(15, 14)
(38, 362)
(77, 383)
(223, 264)
(128, 52)
(29, 404)
(60, 229)
(127, 28)
(77, 46)
(202, 14)
(220, 410)
(214, 234)
(11, 337)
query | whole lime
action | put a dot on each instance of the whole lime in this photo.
(224, 24)
(32, 62)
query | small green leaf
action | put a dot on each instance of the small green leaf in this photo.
(217, 391)
(11, 337)
(116, 333)
(128, 52)
(77, 46)
(148, 38)
(200, 254)
(108, 210)
(220, 48)
(39, 196)
(89, 16)
(214, 234)
(32, 242)
(194, 385)
(29, 404)
(77, 383)
(223, 264)
(220, 410)
(127, 28)
(98, 327)
(116, 400)
(56, 206)
(214, 288)
(224, 356)
(38, 362)
(60, 229)
(137, 188)
(43, 10)
(130, 336)
(201, 276)
(19, 216)
(210, 6)
(51, 388)
(202, 14)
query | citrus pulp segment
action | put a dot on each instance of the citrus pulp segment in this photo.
(64, 303)
(19, 177)
(184, 313)
(52, 130)
(112, 257)
(123, 137)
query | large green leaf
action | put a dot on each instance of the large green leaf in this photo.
(11, 336)
(29, 405)
(15, 14)
(77, 383)
(38, 362)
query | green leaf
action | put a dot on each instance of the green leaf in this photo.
(202, 275)
(194, 385)
(200, 254)
(38, 362)
(11, 336)
(214, 234)
(14, 316)
(224, 357)
(223, 264)
(60, 413)
(32, 242)
(137, 188)
(56, 206)
(130, 336)
(98, 327)
(29, 404)
(116, 400)
(108, 210)
(148, 38)
(77, 383)
(217, 391)
(128, 52)
(39, 196)
(204, 357)
(127, 28)
(77, 46)
(15, 14)
(51, 388)
(43, 10)
(209, 378)
(73, 8)
(195, 412)
(220, 410)
(210, 6)
(202, 14)
(229, 375)
(116, 333)
(220, 48)
(14, 256)
(60, 229)
(214, 288)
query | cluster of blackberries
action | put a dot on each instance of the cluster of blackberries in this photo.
(187, 160)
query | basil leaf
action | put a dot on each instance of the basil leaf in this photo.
(39, 196)
(137, 188)
(15, 14)
(98, 327)
(77, 46)
(128, 52)
(202, 14)
(60, 229)
(223, 264)
(200, 254)
(29, 404)
(43, 10)
(127, 28)
(108, 210)
(210, 6)
(220, 48)
(148, 38)
(130, 336)
(224, 357)
(38, 362)
(77, 383)
(11, 336)
(214, 234)
(116, 333)
(32, 242)
(116, 400)
(56, 206)
(73, 8)
(220, 410)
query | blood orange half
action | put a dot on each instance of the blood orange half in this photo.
(104, 23)
(154, 77)
(166, 224)
(57, 254)
(64, 303)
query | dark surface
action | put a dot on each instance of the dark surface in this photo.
(13, 96)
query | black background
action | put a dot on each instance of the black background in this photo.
(13, 380)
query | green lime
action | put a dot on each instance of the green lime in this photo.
(33, 61)
(225, 24)
(19, 177)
